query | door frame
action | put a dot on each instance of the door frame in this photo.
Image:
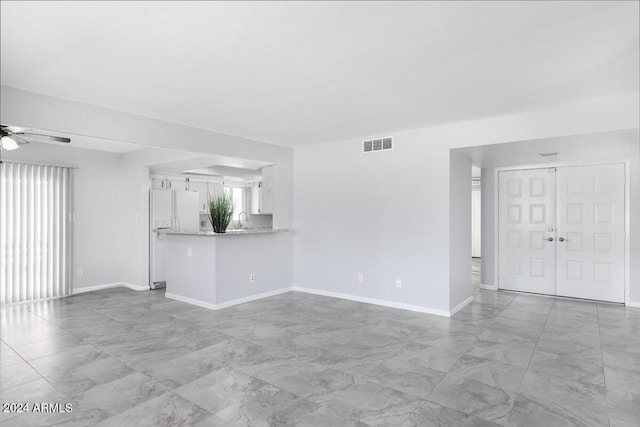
(627, 213)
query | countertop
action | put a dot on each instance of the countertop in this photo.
(234, 232)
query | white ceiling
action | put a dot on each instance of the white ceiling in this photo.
(295, 73)
(78, 141)
(213, 165)
(606, 146)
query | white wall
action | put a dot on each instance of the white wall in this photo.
(268, 256)
(98, 208)
(379, 214)
(388, 214)
(489, 224)
(135, 222)
(634, 235)
(460, 228)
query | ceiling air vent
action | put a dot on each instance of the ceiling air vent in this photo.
(378, 144)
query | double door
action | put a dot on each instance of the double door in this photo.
(562, 232)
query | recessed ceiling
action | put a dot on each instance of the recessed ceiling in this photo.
(294, 73)
(212, 165)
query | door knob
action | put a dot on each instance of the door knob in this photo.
(550, 239)
(561, 239)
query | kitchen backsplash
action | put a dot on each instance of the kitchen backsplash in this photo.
(255, 221)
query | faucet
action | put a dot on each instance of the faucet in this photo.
(245, 217)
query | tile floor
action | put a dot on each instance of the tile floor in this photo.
(125, 358)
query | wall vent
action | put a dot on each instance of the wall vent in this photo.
(378, 144)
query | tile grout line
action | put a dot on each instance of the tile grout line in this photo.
(604, 376)
(537, 342)
(31, 366)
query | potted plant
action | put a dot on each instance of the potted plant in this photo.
(220, 212)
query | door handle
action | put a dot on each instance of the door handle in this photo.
(550, 239)
(561, 239)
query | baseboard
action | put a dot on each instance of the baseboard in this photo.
(488, 287)
(108, 286)
(460, 306)
(383, 303)
(632, 304)
(135, 287)
(253, 298)
(191, 301)
(226, 304)
(96, 288)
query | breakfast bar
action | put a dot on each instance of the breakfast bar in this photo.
(217, 270)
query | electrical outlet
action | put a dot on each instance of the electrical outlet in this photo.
(398, 283)
(79, 272)
(252, 278)
(189, 252)
(360, 277)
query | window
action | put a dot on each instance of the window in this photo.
(35, 230)
(239, 196)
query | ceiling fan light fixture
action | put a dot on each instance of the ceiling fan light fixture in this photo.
(9, 143)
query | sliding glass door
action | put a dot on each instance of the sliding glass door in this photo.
(35, 232)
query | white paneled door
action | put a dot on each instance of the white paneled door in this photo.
(561, 231)
(526, 230)
(590, 249)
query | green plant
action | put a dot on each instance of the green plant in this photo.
(220, 212)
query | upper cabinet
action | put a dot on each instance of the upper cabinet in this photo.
(173, 183)
(267, 190)
(262, 193)
(205, 190)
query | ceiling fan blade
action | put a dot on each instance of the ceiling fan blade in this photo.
(12, 141)
(53, 138)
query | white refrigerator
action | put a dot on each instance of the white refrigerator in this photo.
(186, 211)
(174, 210)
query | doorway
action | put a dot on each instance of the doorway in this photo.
(35, 232)
(476, 225)
(561, 231)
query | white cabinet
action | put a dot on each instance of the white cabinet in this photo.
(160, 184)
(201, 188)
(204, 202)
(205, 190)
(255, 198)
(174, 183)
(267, 190)
(178, 184)
(262, 193)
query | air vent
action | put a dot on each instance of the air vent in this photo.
(378, 144)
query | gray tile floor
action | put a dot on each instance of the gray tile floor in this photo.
(125, 358)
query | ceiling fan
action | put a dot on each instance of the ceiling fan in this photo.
(13, 138)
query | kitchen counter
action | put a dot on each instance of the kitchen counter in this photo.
(233, 232)
(224, 271)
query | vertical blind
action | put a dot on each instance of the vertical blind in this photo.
(35, 232)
